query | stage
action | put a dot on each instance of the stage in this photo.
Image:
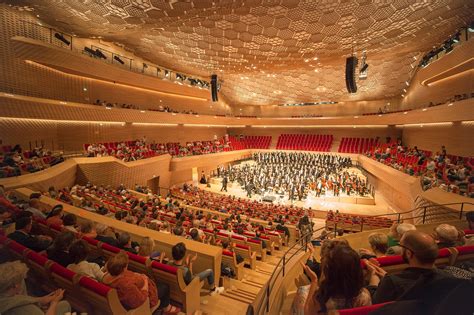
(317, 204)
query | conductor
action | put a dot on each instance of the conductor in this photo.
(224, 184)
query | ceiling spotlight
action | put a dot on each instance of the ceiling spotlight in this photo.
(315, 58)
(306, 60)
(407, 83)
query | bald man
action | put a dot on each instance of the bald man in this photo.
(419, 251)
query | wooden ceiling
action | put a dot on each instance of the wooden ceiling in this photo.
(271, 51)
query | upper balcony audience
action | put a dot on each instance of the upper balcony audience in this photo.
(15, 162)
(160, 108)
(450, 173)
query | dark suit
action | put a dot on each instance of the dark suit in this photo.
(107, 239)
(30, 241)
(393, 286)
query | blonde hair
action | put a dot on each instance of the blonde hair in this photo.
(117, 264)
(11, 274)
(146, 247)
(378, 242)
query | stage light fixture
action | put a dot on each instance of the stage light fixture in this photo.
(61, 38)
(117, 58)
(99, 54)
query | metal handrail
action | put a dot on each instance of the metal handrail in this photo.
(277, 271)
(283, 261)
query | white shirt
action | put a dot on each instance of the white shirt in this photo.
(87, 269)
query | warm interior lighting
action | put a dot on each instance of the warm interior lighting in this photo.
(425, 124)
(154, 124)
(318, 126)
(114, 83)
(63, 121)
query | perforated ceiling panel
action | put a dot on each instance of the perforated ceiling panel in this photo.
(271, 51)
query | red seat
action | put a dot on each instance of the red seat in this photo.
(94, 286)
(164, 267)
(363, 310)
(61, 271)
(227, 253)
(37, 258)
(110, 248)
(464, 250)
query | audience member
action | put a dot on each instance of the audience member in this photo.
(133, 289)
(15, 301)
(59, 250)
(419, 251)
(23, 225)
(447, 236)
(79, 252)
(185, 263)
(55, 216)
(341, 285)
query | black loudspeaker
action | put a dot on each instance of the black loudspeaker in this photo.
(351, 64)
(214, 88)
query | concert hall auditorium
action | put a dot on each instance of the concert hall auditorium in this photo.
(236, 157)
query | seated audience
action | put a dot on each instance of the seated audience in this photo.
(102, 235)
(55, 216)
(396, 232)
(185, 263)
(23, 225)
(79, 252)
(147, 246)
(70, 222)
(447, 236)
(378, 245)
(133, 289)
(419, 251)
(87, 229)
(59, 250)
(15, 301)
(35, 208)
(124, 242)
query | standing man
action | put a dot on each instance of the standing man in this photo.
(224, 183)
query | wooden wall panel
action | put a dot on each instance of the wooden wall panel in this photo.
(70, 136)
(419, 95)
(19, 77)
(458, 138)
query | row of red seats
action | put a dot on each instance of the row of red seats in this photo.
(356, 145)
(307, 142)
(393, 264)
(257, 142)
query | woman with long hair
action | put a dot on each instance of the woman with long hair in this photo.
(341, 285)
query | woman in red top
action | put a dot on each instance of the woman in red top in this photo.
(134, 288)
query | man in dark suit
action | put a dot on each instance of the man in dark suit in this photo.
(224, 184)
(419, 251)
(22, 235)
